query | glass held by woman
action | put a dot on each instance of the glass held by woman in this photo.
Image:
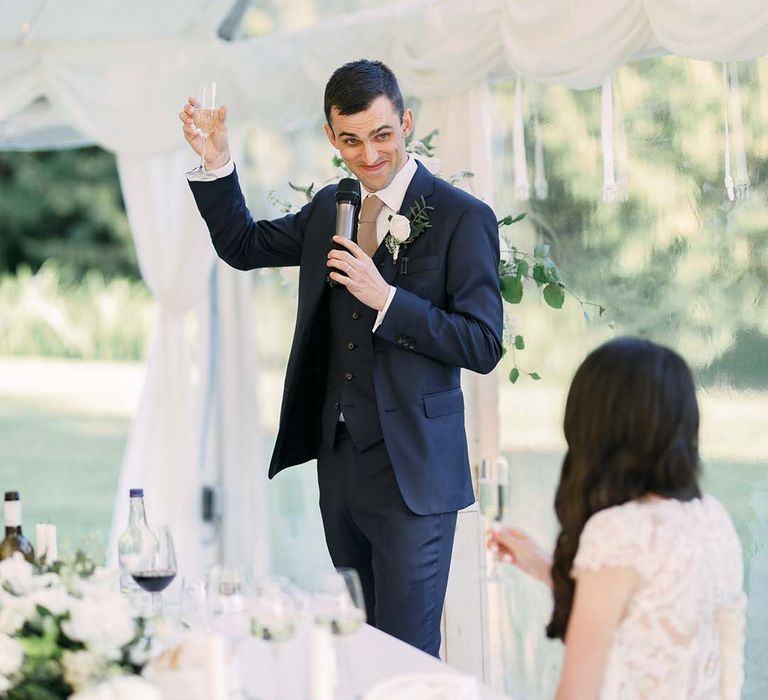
(646, 573)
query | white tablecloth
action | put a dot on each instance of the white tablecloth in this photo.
(368, 657)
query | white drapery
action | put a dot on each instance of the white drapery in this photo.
(175, 258)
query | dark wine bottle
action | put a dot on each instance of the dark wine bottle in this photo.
(14, 539)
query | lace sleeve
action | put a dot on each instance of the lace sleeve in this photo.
(614, 537)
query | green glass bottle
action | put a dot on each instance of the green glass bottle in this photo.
(14, 539)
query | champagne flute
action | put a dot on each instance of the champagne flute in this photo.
(491, 507)
(154, 567)
(205, 117)
(339, 606)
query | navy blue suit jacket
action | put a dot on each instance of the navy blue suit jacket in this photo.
(446, 314)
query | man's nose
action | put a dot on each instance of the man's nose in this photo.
(371, 155)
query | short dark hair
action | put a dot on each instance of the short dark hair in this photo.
(354, 86)
(632, 428)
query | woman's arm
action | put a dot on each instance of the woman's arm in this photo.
(599, 605)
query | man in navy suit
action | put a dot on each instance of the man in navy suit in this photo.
(372, 388)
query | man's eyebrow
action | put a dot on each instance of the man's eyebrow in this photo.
(372, 133)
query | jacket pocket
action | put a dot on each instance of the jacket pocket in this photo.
(444, 403)
(422, 264)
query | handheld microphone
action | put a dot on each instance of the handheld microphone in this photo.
(347, 201)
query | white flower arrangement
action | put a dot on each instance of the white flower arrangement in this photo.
(65, 632)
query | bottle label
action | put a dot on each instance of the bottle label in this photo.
(12, 513)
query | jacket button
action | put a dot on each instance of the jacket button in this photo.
(355, 315)
(351, 346)
(337, 405)
(348, 376)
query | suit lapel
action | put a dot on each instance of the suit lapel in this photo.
(422, 185)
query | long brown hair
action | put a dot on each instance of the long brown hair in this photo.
(631, 424)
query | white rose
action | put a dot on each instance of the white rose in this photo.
(14, 612)
(16, 573)
(54, 600)
(79, 667)
(11, 655)
(400, 228)
(103, 627)
(120, 688)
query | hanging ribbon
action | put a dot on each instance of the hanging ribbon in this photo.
(736, 181)
(621, 151)
(521, 187)
(540, 185)
(606, 139)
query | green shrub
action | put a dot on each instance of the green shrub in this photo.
(51, 313)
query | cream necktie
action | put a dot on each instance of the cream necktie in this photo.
(366, 226)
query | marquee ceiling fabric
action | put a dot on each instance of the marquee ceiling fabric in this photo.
(123, 88)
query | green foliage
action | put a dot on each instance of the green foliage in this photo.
(51, 312)
(65, 205)
(517, 266)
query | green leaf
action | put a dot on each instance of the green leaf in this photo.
(503, 350)
(534, 375)
(541, 250)
(522, 268)
(540, 274)
(554, 295)
(601, 310)
(512, 289)
(514, 374)
(519, 342)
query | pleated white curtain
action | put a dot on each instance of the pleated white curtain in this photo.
(175, 258)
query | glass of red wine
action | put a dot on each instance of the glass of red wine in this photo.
(155, 567)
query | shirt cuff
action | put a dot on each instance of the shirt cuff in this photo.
(382, 313)
(227, 169)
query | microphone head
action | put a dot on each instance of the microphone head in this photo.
(348, 190)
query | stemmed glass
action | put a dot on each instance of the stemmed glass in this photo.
(155, 567)
(491, 503)
(339, 606)
(205, 117)
(274, 614)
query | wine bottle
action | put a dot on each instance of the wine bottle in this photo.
(14, 539)
(132, 541)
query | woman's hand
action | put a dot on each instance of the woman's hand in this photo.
(523, 551)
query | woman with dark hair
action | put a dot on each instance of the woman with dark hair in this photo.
(647, 571)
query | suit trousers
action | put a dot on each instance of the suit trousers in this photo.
(403, 559)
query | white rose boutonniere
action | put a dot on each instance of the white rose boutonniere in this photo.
(404, 230)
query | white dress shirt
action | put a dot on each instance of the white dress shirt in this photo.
(392, 196)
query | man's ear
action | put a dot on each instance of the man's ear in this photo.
(407, 122)
(329, 133)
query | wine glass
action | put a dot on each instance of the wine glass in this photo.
(193, 602)
(154, 567)
(491, 507)
(274, 614)
(205, 117)
(339, 606)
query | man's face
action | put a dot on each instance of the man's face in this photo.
(371, 143)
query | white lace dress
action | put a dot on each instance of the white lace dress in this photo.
(682, 635)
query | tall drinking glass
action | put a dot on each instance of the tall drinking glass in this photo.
(274, 613)
(205, 117)
(339, 606)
